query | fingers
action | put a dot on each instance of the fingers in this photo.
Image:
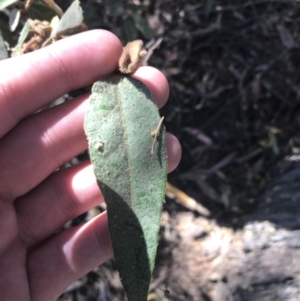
(156, 82)
(66, 257)
(173, 151)
(8, 225)
(13, 284)
(41, 143)
(52, 71)
(66, 194)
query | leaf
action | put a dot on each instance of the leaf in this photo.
(3, 51)
(68, 24)
(129, 31)
(6, 3)
(41, 11)
(14, 18)
(23, 35)
(6, 33)
(142, 25)
(54, 22)
(118, 123)
(71, 20)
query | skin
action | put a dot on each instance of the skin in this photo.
(36, 261)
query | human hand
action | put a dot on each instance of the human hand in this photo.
(36, 261)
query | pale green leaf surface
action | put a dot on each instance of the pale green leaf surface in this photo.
(118, 123)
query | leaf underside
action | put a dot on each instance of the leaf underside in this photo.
(118, 123)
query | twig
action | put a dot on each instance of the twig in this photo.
(225, 161)
(186, 201)
(150, 50)
(155, 133)
(28, 4)
(249, 156)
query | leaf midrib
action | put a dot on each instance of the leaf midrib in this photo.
(126, 146)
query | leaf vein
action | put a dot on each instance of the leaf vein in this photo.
(126, 144)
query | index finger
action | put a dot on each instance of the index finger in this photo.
(32, 80)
